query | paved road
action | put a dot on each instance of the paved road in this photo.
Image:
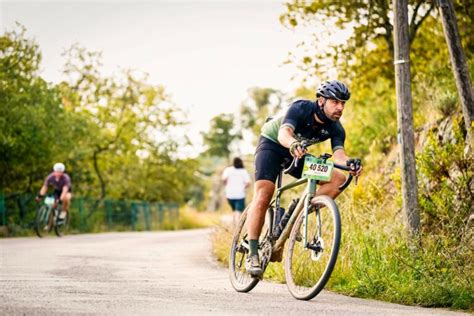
(147, 273)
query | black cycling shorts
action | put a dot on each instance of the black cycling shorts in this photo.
(57, 193)
(270, 158)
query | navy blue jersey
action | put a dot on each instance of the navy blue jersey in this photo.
(300, 117)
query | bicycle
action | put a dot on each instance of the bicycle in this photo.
(313, 228)
(47, 218)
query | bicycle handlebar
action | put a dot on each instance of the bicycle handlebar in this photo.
(292, 166)
(351, 165)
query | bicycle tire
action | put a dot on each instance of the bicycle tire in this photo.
(306, 274)
(239, 278)
(60, 229)
(43, 221)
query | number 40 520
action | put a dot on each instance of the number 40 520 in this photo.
(318, 167)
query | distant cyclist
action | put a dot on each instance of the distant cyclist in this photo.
(61, 182)
(281, 140)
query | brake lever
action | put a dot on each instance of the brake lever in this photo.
(354, 164)
(304, 145)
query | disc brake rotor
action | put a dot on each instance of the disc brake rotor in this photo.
(316, 254)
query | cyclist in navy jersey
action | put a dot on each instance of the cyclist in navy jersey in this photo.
(61, 183)
(280, 141)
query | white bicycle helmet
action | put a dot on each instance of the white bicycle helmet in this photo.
(59, 167)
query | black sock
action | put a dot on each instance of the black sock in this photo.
(253, 243)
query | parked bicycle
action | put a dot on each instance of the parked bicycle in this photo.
(47, 218)
(312, 225)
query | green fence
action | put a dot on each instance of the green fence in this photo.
(17, 213)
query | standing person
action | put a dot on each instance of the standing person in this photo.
(280, 141)
(236, 180)
(61, 182)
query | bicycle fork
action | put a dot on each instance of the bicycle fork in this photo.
(311, 188)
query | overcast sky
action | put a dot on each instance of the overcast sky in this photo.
(206, 53)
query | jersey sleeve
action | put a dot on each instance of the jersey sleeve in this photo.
(337, 140)
(67, 181)
(47, 182)
(293, 115)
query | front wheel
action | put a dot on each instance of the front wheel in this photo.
(307, 269)
(43, 220)
(239, 250)
(61, 227)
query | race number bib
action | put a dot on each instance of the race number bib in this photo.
(317, 169)
(49, 200)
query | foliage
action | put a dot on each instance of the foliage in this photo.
(116, 134)
(190, 219)
(260, 104)
(221, 135)
(110, 215)
(365, 59)
(30, 139)
(447, 181)
(371, 39)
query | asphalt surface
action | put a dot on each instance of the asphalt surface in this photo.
(156, 273)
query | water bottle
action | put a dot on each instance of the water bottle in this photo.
(285, 218)
(278, 216)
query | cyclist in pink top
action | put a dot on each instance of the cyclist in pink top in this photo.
(61, 182)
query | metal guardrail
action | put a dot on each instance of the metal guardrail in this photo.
(17, 211)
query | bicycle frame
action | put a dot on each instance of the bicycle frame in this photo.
(46, 214)
(51, 208)
(304, 202)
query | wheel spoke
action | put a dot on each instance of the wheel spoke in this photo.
(239, 277)
(307, 271)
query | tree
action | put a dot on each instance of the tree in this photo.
(221, 136)
(405, 118)
(365, 60)
(32, 120)
(459, 64)
(367, 54)
(260, 104)
(116, 134)
(126, 113)
(370, 21)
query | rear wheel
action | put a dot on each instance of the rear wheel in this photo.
(239, 251)
(61, 227)
(307, 269)
(43, 221)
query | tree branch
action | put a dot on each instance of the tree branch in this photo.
(416, 25)
(415, 14)
(387, 26)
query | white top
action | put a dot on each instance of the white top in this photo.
(236, 179)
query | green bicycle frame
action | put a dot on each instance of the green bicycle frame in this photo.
(311, 193)
(45, 215)
(304, 201)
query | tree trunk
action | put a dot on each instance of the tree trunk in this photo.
(405, 117)
(99, 175)
(459, 65)
(103, 191)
